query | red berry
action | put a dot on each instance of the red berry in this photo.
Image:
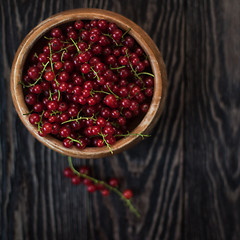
(67, 143)
(56, 32)
(33, 73)
(47, 128)
(128, 194)
(113, 182)
(34, 118)
(79, 24)
(85, 68)
(111, 101)
(30, 99)
(76, 180)
(91, 188)
(68, 172)
(87, 182)
(105, 192)
(84, 170)
(65, 132)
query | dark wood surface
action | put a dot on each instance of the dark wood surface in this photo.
(186, 177)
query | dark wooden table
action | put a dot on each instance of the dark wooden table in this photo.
(186, 177)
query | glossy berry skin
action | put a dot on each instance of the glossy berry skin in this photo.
(84, 170)
(52, 105)
(82, 144)
(34, 118)
(117, 34)
(38, 107)
(67, 143)
(79, 25)
(68, 172)
(85, 68)
(76, 180)
(30, 99)
(111, 101)
(113, 182)
(33, 73)
(65, 132)
(91, 188)
(105, 192)
(128, 194)
(87, 182)
(64, 76)
(56, 32)
(47, 128)
(56, 44)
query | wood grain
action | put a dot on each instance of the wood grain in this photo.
(212, 114)
(185, 177)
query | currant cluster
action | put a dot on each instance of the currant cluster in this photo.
(93, 184)
(89, 82)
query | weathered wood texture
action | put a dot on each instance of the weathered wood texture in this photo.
(185, 177)
(211, 121)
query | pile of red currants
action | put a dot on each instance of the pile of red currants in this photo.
(87, 84)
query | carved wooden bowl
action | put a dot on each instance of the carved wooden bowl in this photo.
(156, 61)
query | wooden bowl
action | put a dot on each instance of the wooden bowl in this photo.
(156, 61)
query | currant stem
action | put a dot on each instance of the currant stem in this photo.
(96, 181)
(146, 73)
(108, 35)
(108, 145)
(79, 118)
(113, 92)
(75, 45)
(126, 32)
(74, 140)
(40, 122)
(59, 95)
(117, 68)
(50, 56)
(28, 113)
(95, 72)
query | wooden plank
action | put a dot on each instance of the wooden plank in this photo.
(211, 132)
(37, 202)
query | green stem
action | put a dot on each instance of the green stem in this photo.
(50, 56)
(40, 122)
(117, 68)
(108, 145)
(28, 113)
(74, 140)
(48, 38)
(59, 94)
(108, 35)
(75, 45)
(79, 118)
(146, 73)
(96, 181)
(126, 32)
(95, 73)
(113, 92)
(62, 56)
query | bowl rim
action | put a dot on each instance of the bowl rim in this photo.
(143, 39)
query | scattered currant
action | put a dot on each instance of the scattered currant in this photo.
(93, 185)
